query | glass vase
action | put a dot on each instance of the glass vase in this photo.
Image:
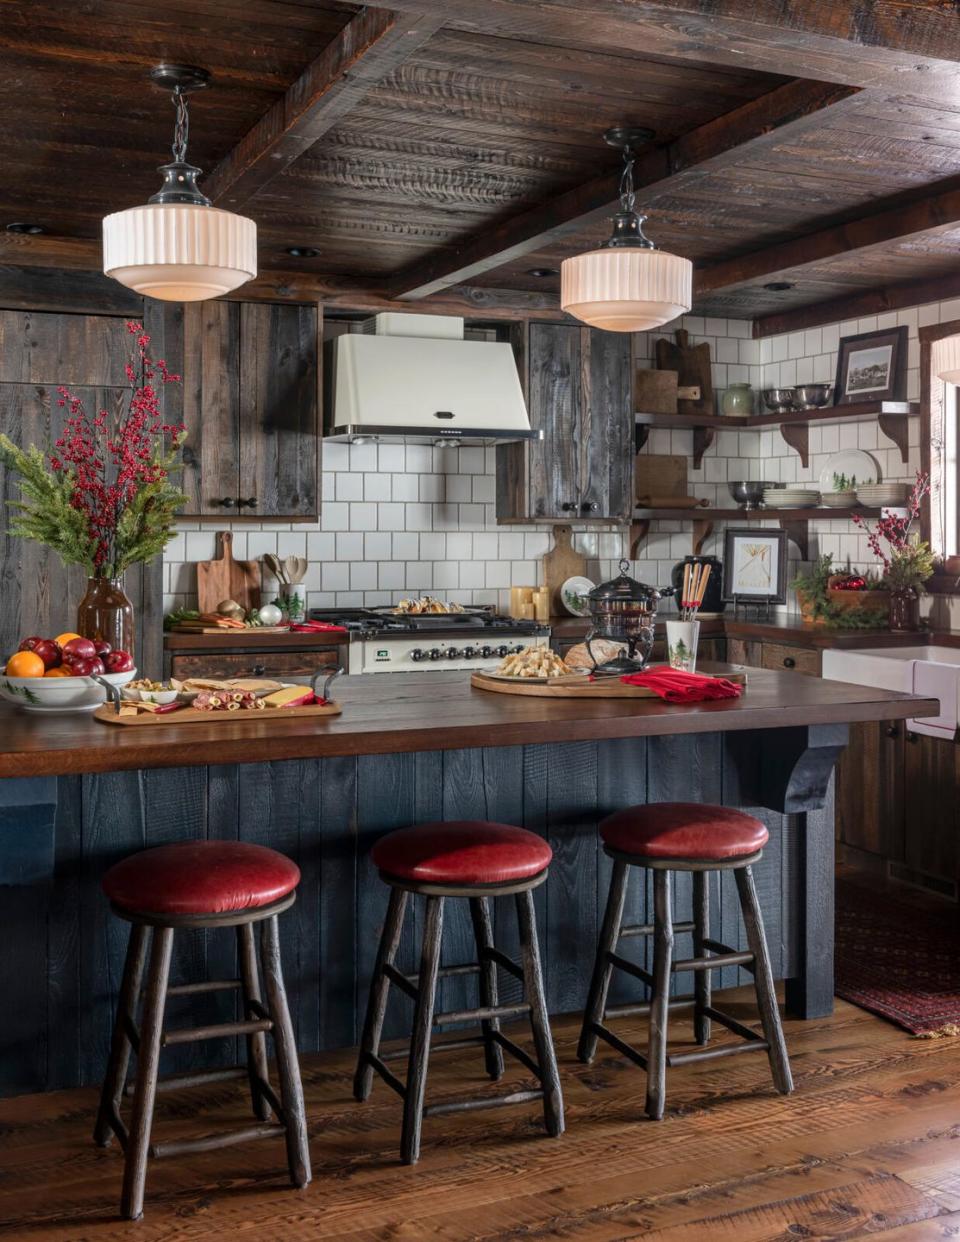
(106, 614)
(905, 609)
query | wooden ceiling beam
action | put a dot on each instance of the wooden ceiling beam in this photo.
(370, 46)
(746, 131)
(939, 211)
(910, 46)
(857, 305)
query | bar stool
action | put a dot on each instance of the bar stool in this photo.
(206, 884)
(680, 836)
(476, 860)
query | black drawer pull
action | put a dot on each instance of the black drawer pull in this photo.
(259, 670)
(913, 738)
(228, 502)
(892, 731)
(789, 662)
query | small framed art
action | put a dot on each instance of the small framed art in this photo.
(872, 367)
(755, 565)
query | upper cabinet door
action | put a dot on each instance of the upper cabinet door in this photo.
(606, 426)
(279, 410)
(211, 408)
(554, 397)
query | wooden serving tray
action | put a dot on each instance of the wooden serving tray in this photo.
(189, 715)
(579, 686)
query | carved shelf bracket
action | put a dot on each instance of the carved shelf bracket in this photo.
(638, 533)
(799, 532)
(641, 434)
(896, 427)
(702, 439)
(702, 530)
(797, 435)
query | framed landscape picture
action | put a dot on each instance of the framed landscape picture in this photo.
(872, 367)
(755, 565)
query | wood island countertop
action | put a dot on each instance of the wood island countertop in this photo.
(392, 713)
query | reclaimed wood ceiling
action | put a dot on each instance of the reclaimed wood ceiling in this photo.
(454, 133)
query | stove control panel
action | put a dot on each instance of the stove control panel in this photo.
(397, 655)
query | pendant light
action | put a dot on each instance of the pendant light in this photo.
(178, 247)
(945, 359)
(627, 284)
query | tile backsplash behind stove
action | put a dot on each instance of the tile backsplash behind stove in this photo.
(402, 520)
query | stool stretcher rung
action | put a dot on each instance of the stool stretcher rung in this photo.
(710, 1054)
(401, 980)
(515, 1050)
(191, 1078)
(630, 968)
(712, 963)
(208, 985)
(441, 1045)
(643, 1010)
(385, 1073)
(210, 1142)
(216, 1030)
(474, 1104)
(647, 929)
(738, 1028)
(480, 1015)
(621, 1046)
(504, 962)
(448, 972)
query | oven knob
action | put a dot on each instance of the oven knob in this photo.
(518, 648)
(434, 653)
(417, 655)
(453, 653)
(469, 652)
(502, 651)
(486, 652)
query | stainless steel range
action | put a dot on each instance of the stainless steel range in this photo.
(381, 641)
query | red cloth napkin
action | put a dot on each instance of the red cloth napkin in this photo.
(317, 627)
(675, 686)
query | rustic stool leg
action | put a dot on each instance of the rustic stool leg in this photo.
(422, 1029)
(763, 981)
(288, 1067)
(148, 1061)
(539, 1021)
(379, 990)
(602, 967)
(483, 933)
(701, 978)
(659, 1006)
(257, 1042)
(112, 1091)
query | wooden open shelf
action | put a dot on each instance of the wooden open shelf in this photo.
(793, 521)
(893, 419)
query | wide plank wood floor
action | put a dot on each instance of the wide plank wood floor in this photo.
(868, 1145)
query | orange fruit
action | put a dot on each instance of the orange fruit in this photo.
(25, 664)
(62, 639)
(60, 671)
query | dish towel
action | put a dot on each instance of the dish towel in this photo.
(317, 627)
(675, 686)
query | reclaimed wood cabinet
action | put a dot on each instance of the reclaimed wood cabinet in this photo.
(250, 402)
(578, 388)
(779, 657)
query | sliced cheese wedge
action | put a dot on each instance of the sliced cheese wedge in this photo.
(290, 696)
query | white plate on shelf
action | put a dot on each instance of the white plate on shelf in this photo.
(854, 463)
(573, 596)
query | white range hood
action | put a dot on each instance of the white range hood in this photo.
(392, 382)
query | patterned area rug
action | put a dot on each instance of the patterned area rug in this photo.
(898, 962)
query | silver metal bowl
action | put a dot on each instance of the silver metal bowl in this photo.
(812, 396)
(779, 400)
(748, 493)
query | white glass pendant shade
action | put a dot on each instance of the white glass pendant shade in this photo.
(626, 289)
(179, 252)
(945, 358)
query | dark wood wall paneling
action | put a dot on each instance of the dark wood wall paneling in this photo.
(61, 953)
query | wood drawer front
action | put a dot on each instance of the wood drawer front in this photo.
(796, 659)
(282, 665)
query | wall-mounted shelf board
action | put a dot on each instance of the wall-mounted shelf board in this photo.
(793, 521)
(893, 419)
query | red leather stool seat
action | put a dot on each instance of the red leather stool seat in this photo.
(686, 831)
(201, 877)
(469, 851)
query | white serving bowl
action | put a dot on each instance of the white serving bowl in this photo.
(152, 696)
(59, 694)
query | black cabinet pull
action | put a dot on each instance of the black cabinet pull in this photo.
(259, 670)
(789, 662)
(568, 507)
(247, 504)
(228, 502)
(892, 731)
(589, 506)
(912, 738)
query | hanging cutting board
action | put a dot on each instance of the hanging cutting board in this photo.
(227, 579)
(659, 474)
(559, 564)
(692, 364)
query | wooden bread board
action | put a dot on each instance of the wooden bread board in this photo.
(692, 364)
(189, 715)
(559, 564)
(580, 687)
(660, 474)
(226, 578)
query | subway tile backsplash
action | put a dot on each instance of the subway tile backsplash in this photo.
(400, 520)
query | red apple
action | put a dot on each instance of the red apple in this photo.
(96, 666)
(119, 662)
(30, 644)
(103, 648)
(48, 651)
(79, 649)
(81, 666)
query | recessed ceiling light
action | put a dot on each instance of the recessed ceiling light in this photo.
(19, 226)
(779, 286)
(302, 252)
(543, 271)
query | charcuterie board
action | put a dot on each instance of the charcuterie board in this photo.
(578, 686)
(130, 715)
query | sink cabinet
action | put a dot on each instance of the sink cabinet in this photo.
(578, 387)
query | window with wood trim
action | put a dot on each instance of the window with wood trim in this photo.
(940, 455)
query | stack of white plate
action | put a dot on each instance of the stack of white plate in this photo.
(881, 495)
(793, 496)
(838, 500)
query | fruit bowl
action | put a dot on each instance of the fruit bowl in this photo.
(59, 694)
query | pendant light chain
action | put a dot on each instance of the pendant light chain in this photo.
(627, 194)
(181, 131)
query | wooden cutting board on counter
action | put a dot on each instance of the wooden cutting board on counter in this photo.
(559, 564)
(190, 715)
(692, 364)
(226, 578)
